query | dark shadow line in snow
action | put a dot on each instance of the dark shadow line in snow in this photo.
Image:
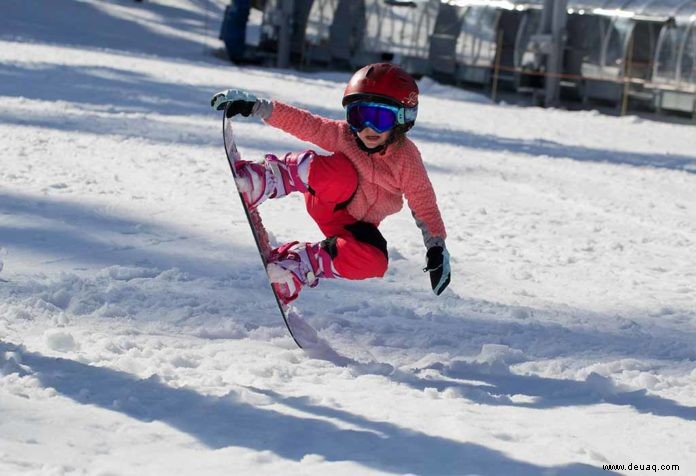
(114, 90)
(86, 234)
(544, 392)
(57, 22)
(157, 267)
(463, 325)
(149, 130)
(220, 422)
(534, 338)
(555, 150)
(116, 101)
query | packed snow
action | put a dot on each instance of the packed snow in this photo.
(138, 334)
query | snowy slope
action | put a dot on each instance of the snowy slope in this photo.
(138, 335)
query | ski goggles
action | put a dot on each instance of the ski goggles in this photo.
(377, 116)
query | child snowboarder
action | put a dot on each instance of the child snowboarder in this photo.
(373, 166)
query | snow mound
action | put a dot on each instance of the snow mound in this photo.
(127, 273)
(60, 341)
(601, 385)
(494, 359)
(11, 363)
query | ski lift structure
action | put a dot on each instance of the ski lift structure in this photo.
(615, 50)
(674, 69)
(473, 37)
(398, 31)
(636, 52)
(352, 33)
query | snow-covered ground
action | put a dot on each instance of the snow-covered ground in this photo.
(138, 334)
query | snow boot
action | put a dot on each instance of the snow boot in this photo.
(296, 264)
(274, 177)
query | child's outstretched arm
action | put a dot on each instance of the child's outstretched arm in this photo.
(302, 124)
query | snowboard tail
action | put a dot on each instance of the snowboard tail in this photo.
(259, 232)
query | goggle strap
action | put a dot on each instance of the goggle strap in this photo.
(408, 113)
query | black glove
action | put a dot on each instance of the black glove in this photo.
(438, 265)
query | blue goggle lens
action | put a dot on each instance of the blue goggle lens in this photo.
(379, 117)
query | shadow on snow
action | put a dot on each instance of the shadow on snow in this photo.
(118, 101)
(555, 150)
(545, 392)
(85, 234)
(91, 237)
(220, 422)
(55, 22)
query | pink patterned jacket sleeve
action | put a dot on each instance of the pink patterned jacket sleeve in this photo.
(306, 126)
(420, 196)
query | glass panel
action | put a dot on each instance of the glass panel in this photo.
(663, 8)
(269, 26)
(320, 18)
(592, 61)
(687, 73)
(411, 27)
(586, 4)
(584, 44)
(476, 45)
(651, 8)
(374, 18)
(642, 56)
(615, 52)
(420, 29)
(636, 6)
(465, 42)
(489, 40)
(668, 48)
(524, 57)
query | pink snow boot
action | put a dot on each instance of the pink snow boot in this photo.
(296, 264)
(274, 177)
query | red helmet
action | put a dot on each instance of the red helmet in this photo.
(384, 81)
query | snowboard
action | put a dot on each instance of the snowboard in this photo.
(289, 314)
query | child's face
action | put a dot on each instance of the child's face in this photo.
(372, 138)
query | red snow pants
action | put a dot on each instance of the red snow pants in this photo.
(357, 248)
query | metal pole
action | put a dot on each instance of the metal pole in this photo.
(287, 8)
(496, 71)
(627, 76)
(554, 63)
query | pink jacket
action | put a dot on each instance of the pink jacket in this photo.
(383, 179)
